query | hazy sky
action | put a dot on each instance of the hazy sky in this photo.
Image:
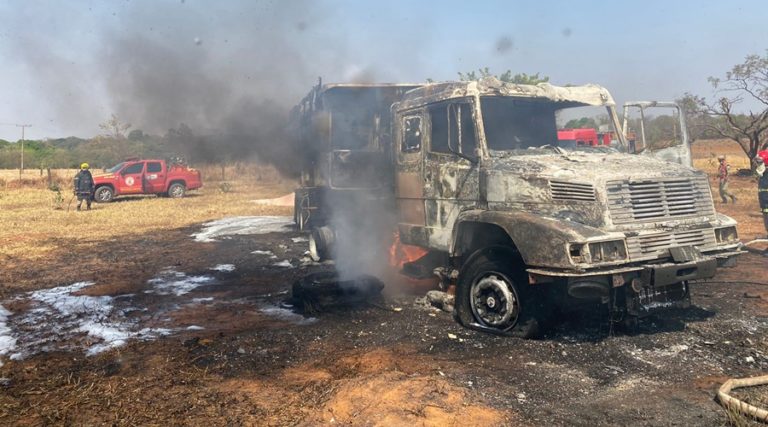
(66, 66)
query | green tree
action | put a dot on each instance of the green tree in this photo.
(584, 122)
(507, 77)
(744, 83)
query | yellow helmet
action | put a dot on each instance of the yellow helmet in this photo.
(84, 166)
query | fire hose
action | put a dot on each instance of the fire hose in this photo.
(734, 404)
(746, 245)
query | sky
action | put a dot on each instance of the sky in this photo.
(68, 66)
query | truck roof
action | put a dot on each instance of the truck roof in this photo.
(329, 86)
(589, 94)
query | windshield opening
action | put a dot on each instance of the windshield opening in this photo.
(653, 128)
(524, 125)
(116, 167)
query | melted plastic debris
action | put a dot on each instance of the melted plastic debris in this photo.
(225, 268)
(172, 282)
(243, 225)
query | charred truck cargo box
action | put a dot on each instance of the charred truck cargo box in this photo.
(520, 221)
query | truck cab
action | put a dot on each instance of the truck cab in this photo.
(521, 223)
(152, 176)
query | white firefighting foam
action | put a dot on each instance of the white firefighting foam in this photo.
(243, 225)
(58, 319)
(7, 341)
(172, 282)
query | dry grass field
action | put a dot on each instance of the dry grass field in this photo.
(33, 222)
(746, 211)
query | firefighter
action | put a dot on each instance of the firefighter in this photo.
(762, 191)
(84, 186)
(722, 175)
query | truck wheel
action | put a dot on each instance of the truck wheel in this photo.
(103, 195)
(493, 295)
(176, 190)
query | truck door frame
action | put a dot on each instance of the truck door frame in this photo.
(154, 181)
(131, 183)
(451, 182)
(408, 148)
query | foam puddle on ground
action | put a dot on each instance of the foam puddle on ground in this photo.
(58, 319)
(286, 315)
(224, 268)
(62, 319)
(172, 282)
(7, 341)
(243, 225)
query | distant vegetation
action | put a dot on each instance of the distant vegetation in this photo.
(70, 152)
(118, 142)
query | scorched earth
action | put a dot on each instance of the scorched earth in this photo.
(199, 335)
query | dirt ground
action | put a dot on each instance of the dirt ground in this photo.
(199, 337)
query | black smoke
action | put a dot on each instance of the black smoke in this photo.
(221, 74)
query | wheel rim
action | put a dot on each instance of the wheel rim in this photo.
(104, 195)
(494, 301)
(176, 191)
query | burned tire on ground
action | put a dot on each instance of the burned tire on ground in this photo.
(176, 190)
(323, 290)
(103, 194)
(493, 295)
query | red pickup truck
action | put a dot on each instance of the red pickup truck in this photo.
(145, 177)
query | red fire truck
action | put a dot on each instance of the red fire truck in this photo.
(151, 176)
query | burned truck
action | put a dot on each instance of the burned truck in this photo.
(473, 172)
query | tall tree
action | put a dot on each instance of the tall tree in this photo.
(745, 83)
(114, 128)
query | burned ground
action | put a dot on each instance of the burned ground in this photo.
(247, 361)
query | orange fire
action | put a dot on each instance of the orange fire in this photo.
(400, 253)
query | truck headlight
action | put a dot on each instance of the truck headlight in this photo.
(727, 235)
(598, 252)
(612, 250)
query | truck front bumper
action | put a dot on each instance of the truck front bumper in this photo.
(684, 266)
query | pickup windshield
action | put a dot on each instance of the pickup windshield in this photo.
(528, 126)
(115, 168)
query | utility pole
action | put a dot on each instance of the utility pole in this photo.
(21, 169)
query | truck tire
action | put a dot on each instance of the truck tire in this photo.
(493, 295)
(176, 190)
(103, 194)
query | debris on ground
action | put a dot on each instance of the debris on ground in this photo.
(436, 299)
(320, 291)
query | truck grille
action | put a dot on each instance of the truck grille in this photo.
(656, 245)
(654, 200)
(574, 191)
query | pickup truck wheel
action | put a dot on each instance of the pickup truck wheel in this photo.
(493, 295)
(176, 190)
(103, 195)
